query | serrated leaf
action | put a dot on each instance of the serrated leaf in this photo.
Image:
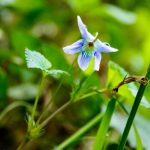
(115, 75)
(56, 73)
(36, 60)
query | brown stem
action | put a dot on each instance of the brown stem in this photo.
(126, 80)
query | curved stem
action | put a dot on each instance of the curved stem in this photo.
(22, 143)
(133, 112)
(12, 106)
(55, 113)
(50, 101)
(54, 95)
(68, 103)
(91, 94)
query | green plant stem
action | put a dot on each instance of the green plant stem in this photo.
(50, 101)
(24, 141)
(67, 104)
(91, 94)
(55, 113)
(37, 97)
(54, 95)
(133, 112)
(12, 106)
(139, 145)
(102, 131)
(80, 132)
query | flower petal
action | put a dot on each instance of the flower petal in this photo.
(97, 61)
(104, 47)
(83, 30)
(74, 48)
(83, 60)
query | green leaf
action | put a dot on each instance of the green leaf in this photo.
(138, 139)
(102, 131)
(142, 125)
(128, 90)
(77, 135)
(56, 73)
(36, 60)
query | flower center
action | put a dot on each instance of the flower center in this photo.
(90, 44)
(89, 47)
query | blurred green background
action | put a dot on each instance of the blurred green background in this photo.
(47, 26)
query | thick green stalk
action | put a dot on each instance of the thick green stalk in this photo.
(102, 131)
(80, 132)
(133, 112)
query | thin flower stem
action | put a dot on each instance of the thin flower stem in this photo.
(133, 112)
(67, 104)
(24, 141)
(56, 112)
(54, 95)
(50, 101)
(91, 94)
(80, 132)
(37, 97)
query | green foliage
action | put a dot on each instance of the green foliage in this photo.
(104, 126)
(34, 129)
(56, 73)
(36, 60)
(115, 75)
(49, 25)
(3, 88)
(138, 140)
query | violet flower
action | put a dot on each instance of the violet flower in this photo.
(88, 47)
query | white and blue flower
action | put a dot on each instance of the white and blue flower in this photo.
(88, 47)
